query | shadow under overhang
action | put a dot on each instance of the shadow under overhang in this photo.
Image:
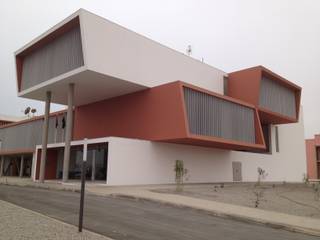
(90, 86)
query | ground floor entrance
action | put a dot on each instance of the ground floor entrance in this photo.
(16, 165)
(97, 162)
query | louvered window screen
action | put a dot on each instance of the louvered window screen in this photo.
(216, 117)
(277, 98)
(59, 56)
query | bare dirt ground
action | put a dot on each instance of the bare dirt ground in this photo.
(295, 199)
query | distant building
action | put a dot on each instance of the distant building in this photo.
(142, 106)
(4, 119)
(313, 157)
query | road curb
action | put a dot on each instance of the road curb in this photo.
(46, 187)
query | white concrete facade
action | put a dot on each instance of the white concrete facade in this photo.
(113, 50)
(132, 161)
(119, 61)
(135, 162)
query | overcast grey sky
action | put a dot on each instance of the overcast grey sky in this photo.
(283, 35)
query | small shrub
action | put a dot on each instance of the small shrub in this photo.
(180, 174)
(261, 175)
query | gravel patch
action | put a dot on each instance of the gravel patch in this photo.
(295, 199)
(17, 223)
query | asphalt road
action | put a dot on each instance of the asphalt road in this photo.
(135, 219)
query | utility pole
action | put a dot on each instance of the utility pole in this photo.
(83, 182)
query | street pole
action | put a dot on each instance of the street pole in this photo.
(83, 182)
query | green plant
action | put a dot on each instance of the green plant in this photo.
(180, 174)
(305, 178)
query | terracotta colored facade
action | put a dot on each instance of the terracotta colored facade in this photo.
(3, 122)
(313, 157)
(153, 114)
(245, 85)
(156, 114)
(51, 164)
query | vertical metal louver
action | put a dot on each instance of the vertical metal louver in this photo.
(22, 136)
(59, 56)
(212, 116)
(277, 98)
(28, 135)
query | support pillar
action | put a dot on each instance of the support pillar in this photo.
(93, 173)
(2, 166)
(45, 138)
(68, 134)
(21, 167)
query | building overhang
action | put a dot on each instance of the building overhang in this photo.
(16, 152)
(247, 85)
(222, 142)
(90, 87)
(213, 142)
(103, 60)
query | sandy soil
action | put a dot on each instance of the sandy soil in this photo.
(296, 199)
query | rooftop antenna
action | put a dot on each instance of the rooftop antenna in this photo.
(189, 50)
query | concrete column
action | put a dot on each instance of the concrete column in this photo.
(2, 166)
(21, 166)
(45, 130)
(68, 133)
(93, 173)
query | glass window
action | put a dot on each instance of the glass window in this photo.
(97, 162)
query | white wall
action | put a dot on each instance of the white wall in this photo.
(115, 51)
(133, 161)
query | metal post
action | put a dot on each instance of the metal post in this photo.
(83, 182)
(21, 166)
(2, 166)
(45, 138)
(68, 134)
(93, 173)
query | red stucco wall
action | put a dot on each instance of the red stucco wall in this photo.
(311, 159)
(152, 114)
(51, 164)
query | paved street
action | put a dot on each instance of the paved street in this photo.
(133, 219)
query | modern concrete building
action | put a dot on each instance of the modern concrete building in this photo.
(313, 157)
(143, 106)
